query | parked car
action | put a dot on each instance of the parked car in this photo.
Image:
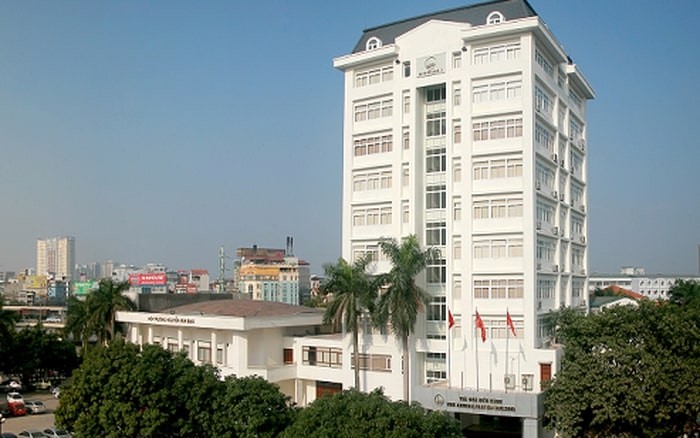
(10, 385)
(56, 433)
(7, 435)
(14, 409)
(43, 384)
(32, 434)
(35, 406)
(15, 397)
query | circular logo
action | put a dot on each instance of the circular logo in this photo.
(430, 63)
(439, 400)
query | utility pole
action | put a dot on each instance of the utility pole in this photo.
(222, 270)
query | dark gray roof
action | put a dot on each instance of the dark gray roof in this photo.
(474, 14)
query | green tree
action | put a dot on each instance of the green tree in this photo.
(628, 372)
(685, 292)
(7, 333)
(102, 306)
(353, 292)
(77, 321)
(251, 407)
(403, 298)
(355, 414)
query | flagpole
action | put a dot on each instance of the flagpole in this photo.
(507, 350)
(476, 352)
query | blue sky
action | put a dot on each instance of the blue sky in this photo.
(158, 131)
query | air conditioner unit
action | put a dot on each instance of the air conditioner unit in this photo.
(538, 109)
(509, 381)
(561, 196)
(555, 230)
(537, 185)
(583, 272)
(555, 195)
(561, 232)
(539, 266)
(555, 158)
(583, 303)
(539, 225)
(582, 208)
(555, 268)
(527, 381)
(539, 305)
(571, 138)
(582, 144)
(583, 239)
(561, 162)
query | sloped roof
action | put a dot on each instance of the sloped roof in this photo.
(621, 291)
(242, 309)
(475, 14)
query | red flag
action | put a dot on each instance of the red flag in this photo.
(480, 324)
(450, 319)
(509, 322)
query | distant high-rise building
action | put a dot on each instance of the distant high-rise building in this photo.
(56, 256)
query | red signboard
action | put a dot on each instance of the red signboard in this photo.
(158, 279)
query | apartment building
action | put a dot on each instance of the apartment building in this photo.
(467, 128)
(56, 256)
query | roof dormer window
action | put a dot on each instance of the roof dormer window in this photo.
(495, 18)
(374, 43)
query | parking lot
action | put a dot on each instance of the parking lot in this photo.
(39, 421)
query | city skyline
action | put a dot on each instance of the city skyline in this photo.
(159, 132)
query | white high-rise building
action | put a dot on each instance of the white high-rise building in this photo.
(56, 256)
(468, 128)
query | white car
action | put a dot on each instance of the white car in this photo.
(35, 406)
(15, 397)
(56, 433)
(56, 391)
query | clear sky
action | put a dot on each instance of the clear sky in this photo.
(157, 131)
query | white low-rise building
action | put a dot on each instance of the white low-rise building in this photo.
(287, 345)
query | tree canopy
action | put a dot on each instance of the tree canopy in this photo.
(628, 371)
(355, 414)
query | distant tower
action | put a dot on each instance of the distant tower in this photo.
(56, 256)
(222, 270)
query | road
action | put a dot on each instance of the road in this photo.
(39, 421)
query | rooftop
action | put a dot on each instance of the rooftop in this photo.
(243, 308)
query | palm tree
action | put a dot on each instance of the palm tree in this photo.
(77, 321)
(103, 304)
(353, 291)
(403, 298)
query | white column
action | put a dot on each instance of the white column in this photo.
(150, 334)
(214, 348)
(531, 428)
(179, 339)
(134, 333)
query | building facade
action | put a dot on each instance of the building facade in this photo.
(269, 274)
(56, 256)
(468, 128)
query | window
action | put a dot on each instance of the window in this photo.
(436, 124)
(509, 247)
(406, 103)
(436, 233)
(543, 62)
(436, 197)
(405, 175)
(544, 138)
(457, 96)
(373, 43)
(456, 59)
(371, 216)
(498, 288)
(457, 249)
(405, 212)
(436, 94)
(495, 91)
(498, 208)
(436, 160)
(437, 309)
(406, 139)
(497, 129)
(543, 102)
(456, 171)
(204, 353)
(457, 132)
(373, 110)
(288, 354)
(496, 53)
(406, 69)
(372, 145)
(575, 98)
(373, 362)
(457, 210)
(545, 289)
(436, 272)
(546, 249)
(363, 181)
(322, 356)
(494, 18)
